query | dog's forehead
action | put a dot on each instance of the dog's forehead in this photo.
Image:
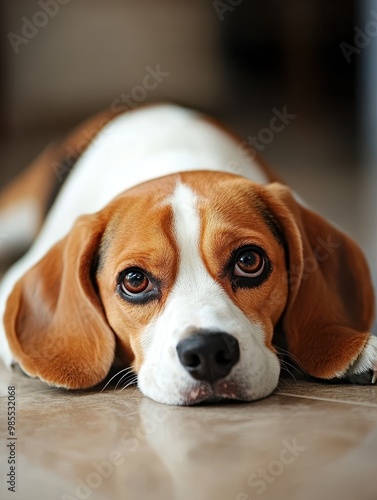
(214, 192)
(231, 208)
(145, 218)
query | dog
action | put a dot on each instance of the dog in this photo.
(173, 252)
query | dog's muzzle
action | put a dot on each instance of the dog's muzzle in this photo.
(208, 356)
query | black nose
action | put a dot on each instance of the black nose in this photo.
(208, 355)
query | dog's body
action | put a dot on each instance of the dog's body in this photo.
(224, 259)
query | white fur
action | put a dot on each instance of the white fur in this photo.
(366, 361)
(197, 301)
(132, 148)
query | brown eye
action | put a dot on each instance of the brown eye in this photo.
(135, 282)
(249, 263)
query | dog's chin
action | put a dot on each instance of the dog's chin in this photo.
(220, 392)
(194, 392)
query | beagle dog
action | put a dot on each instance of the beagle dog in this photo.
(172, 251)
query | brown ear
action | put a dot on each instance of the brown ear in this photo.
(330, 307)
(54, 321)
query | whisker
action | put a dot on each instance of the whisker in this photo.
(294, 367)
(289, 371)
(131, 382)
(118, 373)
(294, 358)
(286, 382)
(124, 376)
(297, 365)
(284, 366)
(135, 391)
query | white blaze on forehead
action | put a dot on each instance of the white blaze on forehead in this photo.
(186, 219)
(186, 227)
(193, 282)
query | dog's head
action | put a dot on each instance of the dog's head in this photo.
(185, 279)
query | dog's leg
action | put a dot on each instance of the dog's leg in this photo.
(363, 370)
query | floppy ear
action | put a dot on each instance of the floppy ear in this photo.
(330, 307)
(54, 321)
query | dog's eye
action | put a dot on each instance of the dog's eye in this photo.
(249, 267)
(135, 282)
(137, 286)
(250, 263)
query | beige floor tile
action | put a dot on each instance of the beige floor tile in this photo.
(120, 445)
(347, 393)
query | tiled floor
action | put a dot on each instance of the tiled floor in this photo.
(307, 441)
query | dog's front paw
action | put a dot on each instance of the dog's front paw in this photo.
(363, 370)
(366, 378)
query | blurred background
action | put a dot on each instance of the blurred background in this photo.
(312, 62)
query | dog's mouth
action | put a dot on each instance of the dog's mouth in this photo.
(221, 391)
